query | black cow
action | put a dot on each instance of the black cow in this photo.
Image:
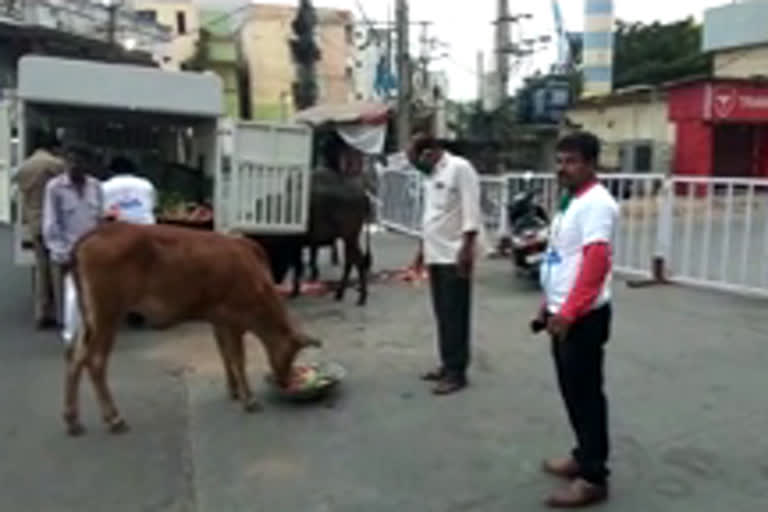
(339, 209)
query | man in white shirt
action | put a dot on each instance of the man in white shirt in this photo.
(451, 225)
(576, 278)
(128, 197)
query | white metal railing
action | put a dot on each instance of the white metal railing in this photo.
(710, 232)
(715, 233)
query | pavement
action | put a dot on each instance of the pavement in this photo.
(685, 379)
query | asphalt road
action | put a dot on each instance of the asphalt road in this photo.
(686, 380)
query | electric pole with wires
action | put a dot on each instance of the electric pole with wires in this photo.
(404, 74)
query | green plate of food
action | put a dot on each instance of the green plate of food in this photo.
(309, 381)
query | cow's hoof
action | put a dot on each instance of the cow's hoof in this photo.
(118, 426)
(253, 406)
(75, 430)
(233, 395)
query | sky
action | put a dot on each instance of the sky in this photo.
(466, 25)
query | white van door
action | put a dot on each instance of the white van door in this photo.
(5, 164)
(269, 182)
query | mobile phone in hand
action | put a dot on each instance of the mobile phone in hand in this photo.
(538, 326)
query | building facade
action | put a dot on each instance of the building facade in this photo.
(374, 76)
(182, 17)
(78, 29)
(264, 42)
(722, 127)
(219, 41)
(634, 127)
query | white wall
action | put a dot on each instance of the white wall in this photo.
(633, 120)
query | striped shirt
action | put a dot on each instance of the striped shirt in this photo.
(67, 215)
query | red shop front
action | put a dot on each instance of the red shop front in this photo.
(721, 128)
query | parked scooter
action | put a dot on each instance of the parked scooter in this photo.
(529, 232)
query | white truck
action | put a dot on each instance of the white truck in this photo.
(260, 171)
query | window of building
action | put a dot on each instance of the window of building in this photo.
(181, 22)
(349, 34)
(643, 158)
(148, 15)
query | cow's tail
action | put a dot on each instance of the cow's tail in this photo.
(84, 325)
(369, 220)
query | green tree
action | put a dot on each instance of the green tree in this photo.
(657, 53)
(306, 54)
(200, 60)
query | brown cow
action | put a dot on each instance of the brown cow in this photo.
(172, 275)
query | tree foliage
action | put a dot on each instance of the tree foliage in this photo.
(200, 60)
(657, 53)
(305, 54)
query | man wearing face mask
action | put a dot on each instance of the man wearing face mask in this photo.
(451, 225)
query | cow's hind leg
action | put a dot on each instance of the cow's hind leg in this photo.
(363, 266)
(220, 333)
(77, 358)
(237, 353)
(314, 271)
(101, 343)
(334, 254)
(349, 252)
(297, 262)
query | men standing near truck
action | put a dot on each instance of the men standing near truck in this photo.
(73, 206)
(32, 177)
(128, 197)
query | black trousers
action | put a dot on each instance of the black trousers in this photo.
(579, 365)
(452, 303)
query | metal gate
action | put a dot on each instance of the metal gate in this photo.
(267, 189)
(715, 233)
(710, 232)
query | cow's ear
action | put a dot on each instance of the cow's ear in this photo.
(309, 341)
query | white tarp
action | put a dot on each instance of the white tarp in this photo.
(368, 139)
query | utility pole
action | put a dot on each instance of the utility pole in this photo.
(389, 38)
(520, 48)
(503, 43)
(404, 75)
(113, 6)
(424, 53)
(481, 90)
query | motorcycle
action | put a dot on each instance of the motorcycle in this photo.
(529, 232)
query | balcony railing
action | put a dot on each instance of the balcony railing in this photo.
(86, 18)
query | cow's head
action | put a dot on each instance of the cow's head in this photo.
(282, 353)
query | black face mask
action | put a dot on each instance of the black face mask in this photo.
(424, 166)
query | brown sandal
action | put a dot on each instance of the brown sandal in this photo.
(449, 386)
(435, 375)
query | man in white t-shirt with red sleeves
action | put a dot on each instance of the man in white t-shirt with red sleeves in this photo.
(576, 277)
